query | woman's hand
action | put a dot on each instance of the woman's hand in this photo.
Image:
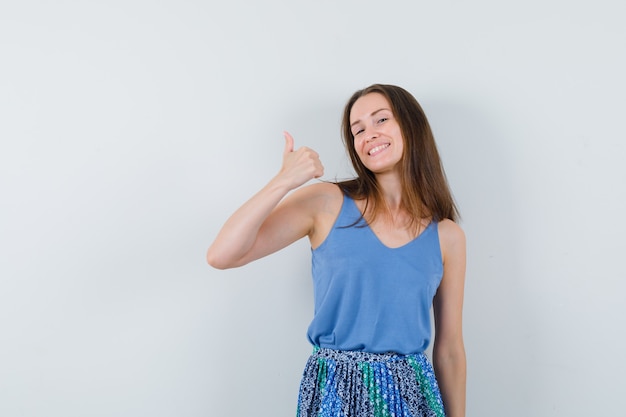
(299, 166)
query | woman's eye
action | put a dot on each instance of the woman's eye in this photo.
(384, 119)
(357, 132)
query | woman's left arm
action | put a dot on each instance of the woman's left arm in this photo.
(448, 349)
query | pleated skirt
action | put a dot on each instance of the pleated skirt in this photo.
(339, 383)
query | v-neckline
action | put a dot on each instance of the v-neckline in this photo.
(379, 240)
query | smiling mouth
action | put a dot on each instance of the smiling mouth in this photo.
(377, 149)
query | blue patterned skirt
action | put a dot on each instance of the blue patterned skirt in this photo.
(359, 384)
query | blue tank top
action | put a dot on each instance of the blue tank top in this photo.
(369, 297)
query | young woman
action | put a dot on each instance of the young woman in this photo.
(385, 249)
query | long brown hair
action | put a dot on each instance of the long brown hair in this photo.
(425, 190)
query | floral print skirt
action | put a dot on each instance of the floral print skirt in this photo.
(360, 384)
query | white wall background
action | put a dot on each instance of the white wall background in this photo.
(131, 129)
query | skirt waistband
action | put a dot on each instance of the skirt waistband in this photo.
(359, 356)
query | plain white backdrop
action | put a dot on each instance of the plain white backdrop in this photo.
(131, 129)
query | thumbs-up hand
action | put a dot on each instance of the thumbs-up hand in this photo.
(301, 165)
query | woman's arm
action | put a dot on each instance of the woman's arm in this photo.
(449, 350)
(262, 226)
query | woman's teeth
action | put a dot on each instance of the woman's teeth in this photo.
(377, 149)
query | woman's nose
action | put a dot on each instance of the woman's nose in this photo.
(371, 134)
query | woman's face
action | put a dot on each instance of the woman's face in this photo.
(377, 135)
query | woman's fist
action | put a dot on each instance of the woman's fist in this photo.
(301, 165)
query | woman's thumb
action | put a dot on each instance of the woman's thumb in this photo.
(288, 143)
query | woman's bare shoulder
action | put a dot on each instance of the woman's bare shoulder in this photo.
(451, 238)
(450, 230)
(323, 201)
(323, 188)
(319, 194)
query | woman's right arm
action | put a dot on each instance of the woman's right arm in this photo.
(264, 224)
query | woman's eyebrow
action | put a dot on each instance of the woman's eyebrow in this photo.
(373, 113)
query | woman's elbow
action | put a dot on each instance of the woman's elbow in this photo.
(221, 261)
(215, 260)
(449, 353)
(216, 264)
